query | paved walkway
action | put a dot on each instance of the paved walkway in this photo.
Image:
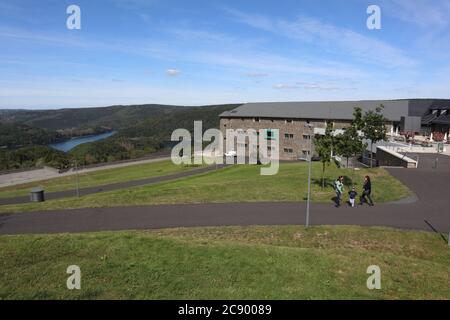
(27, 176)
(109, 187)
(430, 211)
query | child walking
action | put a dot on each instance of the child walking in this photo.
(352, 196)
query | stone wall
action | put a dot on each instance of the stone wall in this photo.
(293, 134)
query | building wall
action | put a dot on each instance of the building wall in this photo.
(298, 143)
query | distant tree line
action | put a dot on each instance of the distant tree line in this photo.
(34, 156)
(143, 129)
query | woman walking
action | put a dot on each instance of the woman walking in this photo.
(367, 190)
(339, 189)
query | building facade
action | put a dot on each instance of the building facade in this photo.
(297, 122)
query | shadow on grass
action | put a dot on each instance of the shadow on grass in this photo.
(329, 183)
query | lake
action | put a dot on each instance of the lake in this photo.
(72, 143)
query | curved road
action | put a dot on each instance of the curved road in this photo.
(430, 212)
(111, 187)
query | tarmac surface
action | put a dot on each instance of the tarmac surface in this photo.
(35, 175)
(429, 210)
(109, 187)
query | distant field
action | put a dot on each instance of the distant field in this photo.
(240, 183)
(286, 262)
(100, 177)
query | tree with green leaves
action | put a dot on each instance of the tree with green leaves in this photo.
(350, 143)
(374, 128)
(323, 145)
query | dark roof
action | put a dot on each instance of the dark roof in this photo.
(444, 119)
(333, 110)
(429, 118)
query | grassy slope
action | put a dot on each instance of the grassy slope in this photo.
(97, 178)
(232, 184)
(286, 262)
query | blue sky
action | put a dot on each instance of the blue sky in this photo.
(210, 52)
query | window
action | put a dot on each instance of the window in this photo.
(289, 121)
(256, 120)
(270, 135)
(289, 136)
(306, 136)
(305, 152)
(288, 150)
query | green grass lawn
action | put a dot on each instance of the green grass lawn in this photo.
(97, 178)
(241, 183)
(287, 262)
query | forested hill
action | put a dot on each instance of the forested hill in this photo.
(141, 129)
(17, 135)
(114, 117)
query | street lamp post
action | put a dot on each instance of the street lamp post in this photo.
(309, 175)
(449, 237)
(77, 179)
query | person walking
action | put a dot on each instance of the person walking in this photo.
(339, 189)
(352, 196)
(367, 191)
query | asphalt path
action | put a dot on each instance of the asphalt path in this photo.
(109, 187)
(429, 211)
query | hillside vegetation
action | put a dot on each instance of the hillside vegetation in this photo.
(32, 156)
(19, 135)
(114, 117)
(141, 129)
(239, 183)
(285, 262)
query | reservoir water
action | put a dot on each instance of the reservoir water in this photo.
(72, 143)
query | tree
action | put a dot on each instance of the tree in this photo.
(374, 128)
(350, 144)
(323, 145)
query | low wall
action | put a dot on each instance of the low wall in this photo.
(390, 158)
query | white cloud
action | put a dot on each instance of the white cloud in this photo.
(173, 72)
(271, 63)
(316, 86)
(256, 75)
(424, 13)
(330, 37)
(284, 86)
(305, 86)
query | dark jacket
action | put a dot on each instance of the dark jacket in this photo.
(367, 187)
(352, 194)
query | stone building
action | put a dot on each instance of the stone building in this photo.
(297, 122)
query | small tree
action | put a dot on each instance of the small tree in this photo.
(374, 128)
(350, 144)
(323, 145)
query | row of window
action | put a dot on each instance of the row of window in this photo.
(270, 135)
(291, 136)
(286, 150)
(290, 150)
(271, 120)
